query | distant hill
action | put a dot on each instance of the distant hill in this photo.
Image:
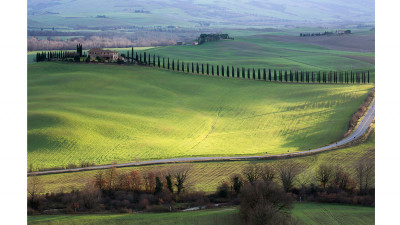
(199, 13)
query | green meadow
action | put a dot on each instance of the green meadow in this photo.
(305, 213)
(113, 113)
(207, 176)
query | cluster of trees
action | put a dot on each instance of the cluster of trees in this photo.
(264, 192)
(79, 50)
(259, 74)
(56, 55)
(212, 37)
(326, 33)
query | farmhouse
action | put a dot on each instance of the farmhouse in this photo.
(104, 54)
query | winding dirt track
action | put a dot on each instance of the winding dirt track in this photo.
(357, 133)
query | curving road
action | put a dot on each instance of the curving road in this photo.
(358, 132)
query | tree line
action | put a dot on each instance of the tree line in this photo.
(264, 192)
(343, 77)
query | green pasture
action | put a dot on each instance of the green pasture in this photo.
(116, 113)
(305, 213)
(323, 213)
(263, 52)
(207, 176)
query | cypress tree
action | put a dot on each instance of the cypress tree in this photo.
(269, 75)
(154, 60)
(222, 70)
(207, 68)
(183, 66)
(127, 55)
(248, 73)
(243, 73)
(163, 62)
(149, 62)
(158, 61)
(368, 76)
(144, 58)
(233, 71)
(264, 74)
(197, 67)
(137, 57)
(237, 72)
(202, 69)
(286, 76)
(140, 57)
(177, 65)
(254, 74)
(217, 70)
(227, 71)
(187, 67)
(212, 70)
(168, 63)
(173, 64)
(275, 76)
(132, 58)
(192, 68)
(259, 74)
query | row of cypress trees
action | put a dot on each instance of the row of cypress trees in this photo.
(47, 56)
(259, 74)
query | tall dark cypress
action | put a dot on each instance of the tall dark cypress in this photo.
(275, 75)
(227, 71)
(140, 57)
(212, 70)
(222, 70)
(158, 60)
(269, 75)
(168, 63)
(183, 66)
(243, 73)
(208, 71)
(254, 74)
(264, 74)
(137, 58)
(237, 72)
(187, 67)
(217, 70)
(144, 58)
(149, 62)
(173, 64)
(163, 62)
(259, 74)
(248, 74)
(177, 65)
(286, 76)
(192, 67)
(368, 76)
(197, 68)
(132, 56)
(233, 71)
(154, 60)
(202, 69)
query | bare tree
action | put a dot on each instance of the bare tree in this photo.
(287, 172)
(365, 171)
(252, 173)
(268, 173)
(324, 174)
(180, 174)
(35, 186)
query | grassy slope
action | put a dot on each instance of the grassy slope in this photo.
(107, 113)
(307, 213)
(261, 52)
(207, 176)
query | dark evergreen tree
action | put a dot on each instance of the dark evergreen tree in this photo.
(227, 71)
(243, 73)
(197, 68)
(254, 74)
(212, 70)
(233, 71)
(158, 61)
(137, 58)
(132, 58)
(208, 69)
(259, 74)
(202, 69)
(144, 58)
(177, 65)
(183, 67)
(168, 63)
(368, 76)
(222, 70)
(149, 61)
(168, 178)
(154, 60)
(264, 74)
(192, 68)
(173, 64)
(217, 70)
(269, 75)
(187, 67)
(163, 62)
(248, 74)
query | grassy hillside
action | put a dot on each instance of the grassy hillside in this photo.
(306, 213)
(208, 176)
(108, 113)
(280, 52)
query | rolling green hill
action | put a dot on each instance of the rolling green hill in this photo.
(306, 213)
(111, 113)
